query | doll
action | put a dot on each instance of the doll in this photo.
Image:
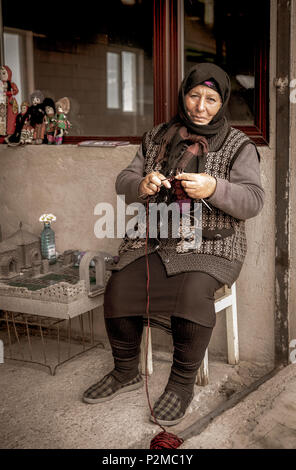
(62, 125)
(37, 114)
(27, 132)
(8, 104)
(17, 137)
(50, 120)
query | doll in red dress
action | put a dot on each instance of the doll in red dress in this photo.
(8, 103)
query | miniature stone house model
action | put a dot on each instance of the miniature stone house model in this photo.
(20, 251)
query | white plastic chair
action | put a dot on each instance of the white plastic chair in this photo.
(227, 302)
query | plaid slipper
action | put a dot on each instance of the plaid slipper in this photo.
(169, 409)
(109, 387)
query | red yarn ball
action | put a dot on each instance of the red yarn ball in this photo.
(165, 440)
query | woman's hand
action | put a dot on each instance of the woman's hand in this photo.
(198, 185)
(151, 184)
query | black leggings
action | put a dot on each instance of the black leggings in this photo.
(190, 343)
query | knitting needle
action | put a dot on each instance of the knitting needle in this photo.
(166, 179)
(206, 204)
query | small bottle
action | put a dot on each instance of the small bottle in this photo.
(48, 249)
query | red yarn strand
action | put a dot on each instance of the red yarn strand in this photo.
(147, 313)
(163, 440)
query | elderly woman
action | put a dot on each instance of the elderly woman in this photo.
(196, 156)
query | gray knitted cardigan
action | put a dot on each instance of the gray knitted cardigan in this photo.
(238, 196)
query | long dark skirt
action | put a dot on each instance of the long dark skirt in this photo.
(187, 295)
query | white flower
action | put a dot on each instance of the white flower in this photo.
(47, 218)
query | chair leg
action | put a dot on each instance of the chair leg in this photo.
(232, 330)
(203, 372)
(143, 352)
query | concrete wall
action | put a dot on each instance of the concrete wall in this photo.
(69, 181)
(255, 286)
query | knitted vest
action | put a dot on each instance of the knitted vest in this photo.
(223, 235)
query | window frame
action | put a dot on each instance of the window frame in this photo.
(168, 38)
(168, 58)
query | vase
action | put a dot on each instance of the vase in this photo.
(48, 249)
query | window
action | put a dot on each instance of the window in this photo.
(129, 81)
(112, 80)
(123, 84)
(99, 56)
(121, 61)
(233, 34)
(219, 31)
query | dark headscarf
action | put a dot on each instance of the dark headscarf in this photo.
(182, 139)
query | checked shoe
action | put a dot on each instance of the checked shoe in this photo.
(170, 409)
(109, 387)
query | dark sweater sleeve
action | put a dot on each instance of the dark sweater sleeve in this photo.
(129, 179)
(242, 196)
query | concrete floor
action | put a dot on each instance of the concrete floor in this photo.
(46, 412)
(266, 419)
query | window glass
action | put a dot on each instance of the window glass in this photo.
(99, 55)
(112, 80)
(225, 32)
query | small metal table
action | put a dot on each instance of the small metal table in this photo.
(34, 306)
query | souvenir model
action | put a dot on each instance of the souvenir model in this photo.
(50, 120)
(63, 125)
(8, 103)
(37, 114)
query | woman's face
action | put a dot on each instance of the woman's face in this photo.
(202, 104)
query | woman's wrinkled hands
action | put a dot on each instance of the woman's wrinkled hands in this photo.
(198, 185)
(151, 184)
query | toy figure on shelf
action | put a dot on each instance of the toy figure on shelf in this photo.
(63, 125)
(8, 103)
(21, 119)
(50, 120)
(27, 132)
(37, 114)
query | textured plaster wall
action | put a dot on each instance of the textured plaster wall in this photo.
(255, 286)
(69, 181)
